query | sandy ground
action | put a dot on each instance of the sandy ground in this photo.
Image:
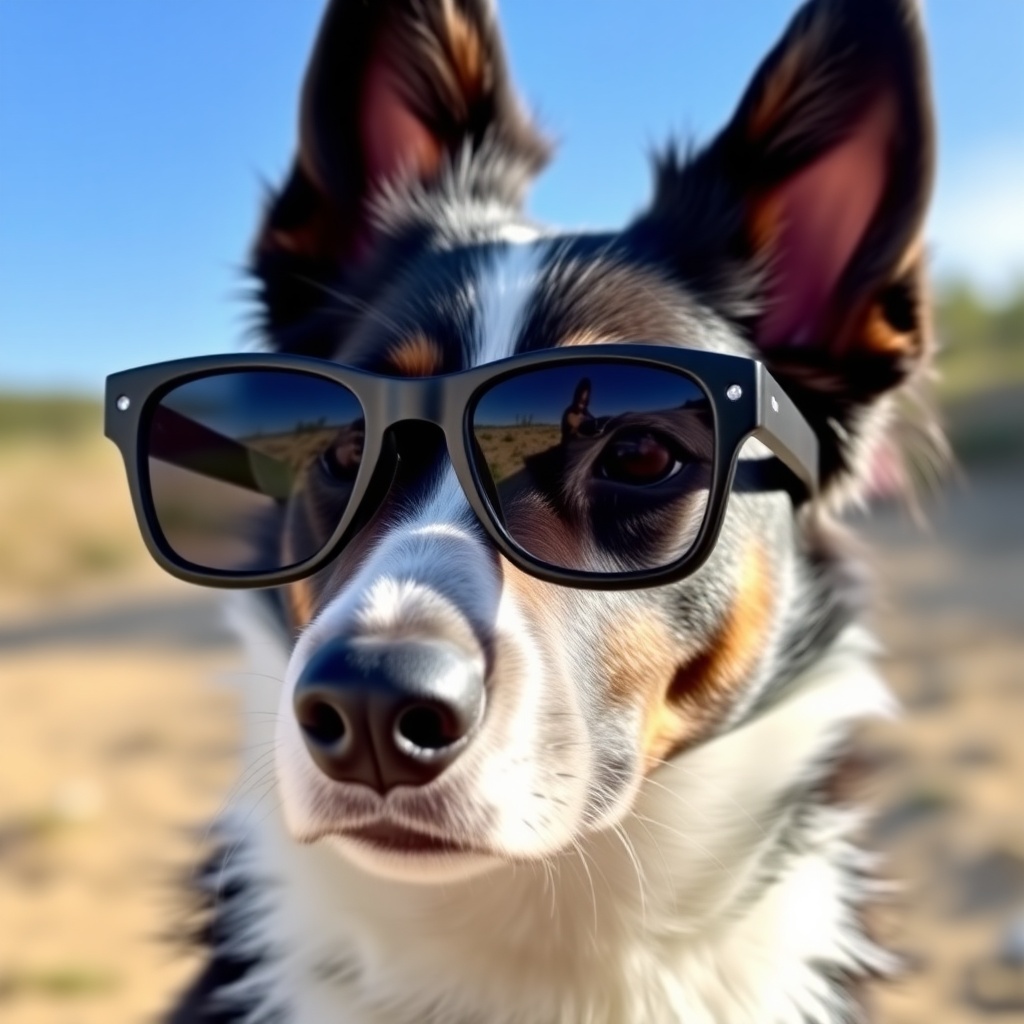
(949, 776)
(116, 749)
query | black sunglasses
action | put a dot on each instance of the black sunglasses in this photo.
(605, 466)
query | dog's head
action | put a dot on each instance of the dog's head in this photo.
(398, 243)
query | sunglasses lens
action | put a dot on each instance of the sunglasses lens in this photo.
(597, 467)
(252, 470)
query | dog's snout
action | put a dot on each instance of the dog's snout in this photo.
(388, 714)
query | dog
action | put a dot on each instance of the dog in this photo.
(650, 822)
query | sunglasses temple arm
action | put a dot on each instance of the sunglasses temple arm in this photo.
(783, 428)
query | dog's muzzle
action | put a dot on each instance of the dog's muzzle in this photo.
(388, 713)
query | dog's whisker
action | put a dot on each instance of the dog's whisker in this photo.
(688, 839)
(581, 856)
(666, 873)
(359, 305)
(712, 787)
(248, 673)
(244, 835)
(251, 748)
(236, 791)
(545, 863)
(641, 878)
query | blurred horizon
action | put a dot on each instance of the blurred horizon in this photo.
(137, 138)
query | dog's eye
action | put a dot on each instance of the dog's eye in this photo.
(639, 458)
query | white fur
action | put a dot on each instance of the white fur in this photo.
(651, 922)
(504, 290)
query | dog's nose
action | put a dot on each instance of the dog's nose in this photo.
(388, 713)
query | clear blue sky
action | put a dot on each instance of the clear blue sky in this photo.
(134, 135)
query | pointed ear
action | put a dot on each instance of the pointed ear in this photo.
(393, 89)
(833, 145)
(815, 194)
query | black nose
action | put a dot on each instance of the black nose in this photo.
(388, 714)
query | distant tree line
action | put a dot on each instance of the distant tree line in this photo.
(981, 338)
(965, 317)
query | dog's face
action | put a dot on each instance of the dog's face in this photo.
(398, 244)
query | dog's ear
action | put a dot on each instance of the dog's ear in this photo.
(805, 214)
(394, 89)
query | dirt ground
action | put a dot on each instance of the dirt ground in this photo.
(117, 745)
(949, 776)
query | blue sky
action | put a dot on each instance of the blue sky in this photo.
(615, 390)
(134, 135)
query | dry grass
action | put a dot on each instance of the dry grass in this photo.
(65, 517)
(114, 750)
(504, 448)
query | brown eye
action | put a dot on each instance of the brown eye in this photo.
(639, 458)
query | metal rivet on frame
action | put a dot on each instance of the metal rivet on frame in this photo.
(123, 403)
(734, 392)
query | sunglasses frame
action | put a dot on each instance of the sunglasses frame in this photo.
(760, 410)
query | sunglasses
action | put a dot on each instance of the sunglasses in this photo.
(606, 466)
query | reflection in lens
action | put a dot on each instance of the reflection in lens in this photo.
(597, 466)
(251, 470)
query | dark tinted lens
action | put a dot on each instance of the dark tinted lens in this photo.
(252, 470)
(597, 467)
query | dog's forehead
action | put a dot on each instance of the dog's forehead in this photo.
(456, 303)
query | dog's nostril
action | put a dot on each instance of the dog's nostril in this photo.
(386, 713)
(322, 722)
(427, 728)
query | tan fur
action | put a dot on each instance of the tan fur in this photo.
(301, 603)
(416, 355)
(639, 658)
(779, 88)
(879, 336)
(701, 690)
(682, 701)
(763, 221)
(584, 337)
(533, 596)
(466, 52)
